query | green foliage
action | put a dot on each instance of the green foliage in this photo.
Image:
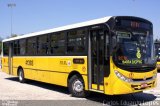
(157, 41)
(14, 35)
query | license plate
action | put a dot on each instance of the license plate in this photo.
(144, 85)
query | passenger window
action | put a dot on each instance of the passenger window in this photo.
(22, 44)
(6, 48)
(32, 46)
(16, 47)
(43, 45)
(58, 43)
(76, 41)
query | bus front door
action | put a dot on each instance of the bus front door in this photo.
(97, 59)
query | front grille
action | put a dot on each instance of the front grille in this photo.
(142, 79)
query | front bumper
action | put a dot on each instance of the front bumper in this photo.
(121, 87)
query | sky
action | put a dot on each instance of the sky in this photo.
(36, 15)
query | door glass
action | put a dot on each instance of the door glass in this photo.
(101, 57)
(94, 57)
(97, 46)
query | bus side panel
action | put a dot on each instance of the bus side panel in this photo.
(85, 78)
(30, 74)
(60, 78)
(17, 62)
(66, 65)
(14, 71)
(54, 70)
(5, 65)
(62, 66)
(28, 70)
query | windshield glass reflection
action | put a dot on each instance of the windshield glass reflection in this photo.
(134, 48)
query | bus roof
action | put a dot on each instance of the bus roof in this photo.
(67, 27)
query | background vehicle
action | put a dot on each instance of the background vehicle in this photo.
(111, 55)
(157, 51)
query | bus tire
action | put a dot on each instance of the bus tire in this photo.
(76, 86)
(21, 75)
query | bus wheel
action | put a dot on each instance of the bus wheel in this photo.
(21, 76)
(76, 86)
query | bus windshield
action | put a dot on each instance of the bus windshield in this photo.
(134, 49)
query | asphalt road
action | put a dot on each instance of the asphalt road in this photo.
(31, 93)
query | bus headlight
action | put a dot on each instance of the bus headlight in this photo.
(122, 77)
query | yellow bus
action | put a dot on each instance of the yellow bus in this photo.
(112, 55)
(157, 51)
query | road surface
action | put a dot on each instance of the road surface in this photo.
(31, 93)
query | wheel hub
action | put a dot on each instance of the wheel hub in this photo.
(78, 86)
(20, 75)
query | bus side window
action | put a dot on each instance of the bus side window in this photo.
(22, 44)
(6, 48)
(43, 45)
(31, 46)
(16, 47)
(58, 43)
(76, 41)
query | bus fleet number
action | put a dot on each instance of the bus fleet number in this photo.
(29, 62)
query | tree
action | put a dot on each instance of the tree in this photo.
(13, 35)
(157, 40)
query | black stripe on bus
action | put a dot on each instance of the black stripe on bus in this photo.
(5, 66)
